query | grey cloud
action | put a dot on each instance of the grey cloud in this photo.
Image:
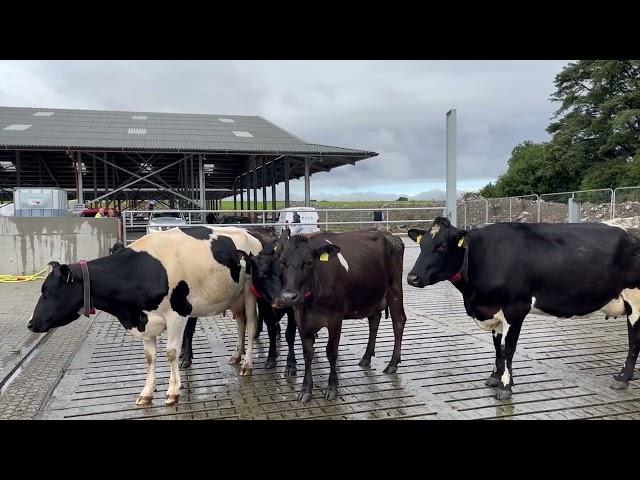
(393, 107)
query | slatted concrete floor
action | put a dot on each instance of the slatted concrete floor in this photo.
(563, 369)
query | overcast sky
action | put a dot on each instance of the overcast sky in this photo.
(396, 108)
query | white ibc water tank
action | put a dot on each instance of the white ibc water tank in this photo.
(40, 202)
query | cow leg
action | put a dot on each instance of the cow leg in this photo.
(498, 367)
(515, 316)
(250, 317)
(290, 334)
(332, 355)
(175, 330)
(241, 325)
(626, 374)
(186, 353)
(150, 351)
(307, 384)
(270, 320)
(374, 322)
(399, 318)
(259, 323)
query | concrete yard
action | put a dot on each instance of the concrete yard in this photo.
(93, 369)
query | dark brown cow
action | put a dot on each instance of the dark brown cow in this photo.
(329, 277)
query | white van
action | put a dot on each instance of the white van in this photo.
(308, 215)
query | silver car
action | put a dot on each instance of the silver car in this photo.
(160, 221)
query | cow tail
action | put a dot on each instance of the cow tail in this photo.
(386, 312)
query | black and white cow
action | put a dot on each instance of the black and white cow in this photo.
(507, 270)
(154, 285)
(329, 277)
(265, 288)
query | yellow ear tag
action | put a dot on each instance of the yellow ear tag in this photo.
(461, 242)
(419, 239)
(324, 257)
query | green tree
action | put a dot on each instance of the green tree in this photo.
(402, 199)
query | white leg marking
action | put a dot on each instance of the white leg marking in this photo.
(506, 378)
(241, 325)
(150, 352)
(175, 331)
(505, 326)
(250, 316)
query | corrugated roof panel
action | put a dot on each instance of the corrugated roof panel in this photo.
(168, 131)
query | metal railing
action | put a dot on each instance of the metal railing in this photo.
(395, 220)
(596, 205)
(626, 202)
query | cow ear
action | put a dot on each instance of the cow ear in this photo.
(327, 251)
(286, 233)
(67, 274)
(416, 234)
(52, 265)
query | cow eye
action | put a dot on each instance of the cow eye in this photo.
(440, 248)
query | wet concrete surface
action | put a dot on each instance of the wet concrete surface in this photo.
(562, 370)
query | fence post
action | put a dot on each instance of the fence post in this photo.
(538, 206)
(613, 204)
(486, 215)
(326, 220)
(510, 215)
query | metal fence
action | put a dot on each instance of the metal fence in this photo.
(395, 220)
(595, 205)
(626, 202)
(476, 212)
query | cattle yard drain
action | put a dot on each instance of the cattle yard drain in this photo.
(24, 361)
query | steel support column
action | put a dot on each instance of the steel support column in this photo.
(451, 211)
(80, 189)
(287, 172)
(273, 186)
(18, 167)
(307, 183)
(263, 168)
(202, 183)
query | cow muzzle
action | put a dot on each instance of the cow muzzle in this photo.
(415, 280)
(289, 297)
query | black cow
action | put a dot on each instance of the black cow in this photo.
(334, 276)
(507, 270)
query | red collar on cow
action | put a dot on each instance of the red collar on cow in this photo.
(456, 277)
(86, 282)
(255, 292)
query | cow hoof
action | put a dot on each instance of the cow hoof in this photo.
(246, 370)
(171, 399)
(365, 362)
(304, 397)
(493, 380)
(390, 369)
(331, 393)
(619, 385)
(290, 371)
(144, 400)
(185, 363)
(271, 363)
(235, 358)
(504, 394)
